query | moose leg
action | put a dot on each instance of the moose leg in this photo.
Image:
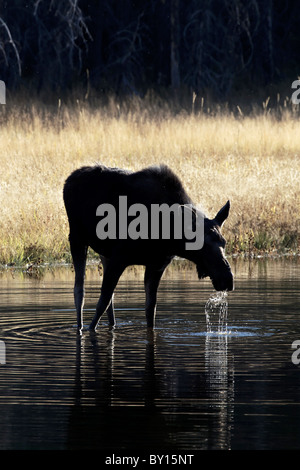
(79, 253)
(111, 275)
(110, 308)
(152, 279)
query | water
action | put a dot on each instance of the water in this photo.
(180, 389)
(216, 311)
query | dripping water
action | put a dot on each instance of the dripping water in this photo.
(216, 310)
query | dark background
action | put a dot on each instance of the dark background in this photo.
(210, 47)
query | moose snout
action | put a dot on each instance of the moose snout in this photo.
(230, 282)
(224, 282)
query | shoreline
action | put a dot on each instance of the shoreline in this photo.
(177, 265)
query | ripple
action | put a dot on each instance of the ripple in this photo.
(39, 333)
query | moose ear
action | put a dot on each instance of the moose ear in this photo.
(222, 214)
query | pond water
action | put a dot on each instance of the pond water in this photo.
(178, 388)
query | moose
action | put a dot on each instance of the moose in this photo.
(92, 187)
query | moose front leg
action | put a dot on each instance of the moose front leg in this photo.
(110, 308)
(152, 279)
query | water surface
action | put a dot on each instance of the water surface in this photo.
(126, 389)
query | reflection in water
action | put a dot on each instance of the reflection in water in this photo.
(151, 404)
(113, 411)
(220, 385)
(178, 388)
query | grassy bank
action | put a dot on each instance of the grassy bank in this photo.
(254, 161)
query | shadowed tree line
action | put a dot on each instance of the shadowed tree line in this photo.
(129, 46)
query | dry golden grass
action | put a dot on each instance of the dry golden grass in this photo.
(253, 161)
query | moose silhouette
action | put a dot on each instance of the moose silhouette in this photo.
(89, 187)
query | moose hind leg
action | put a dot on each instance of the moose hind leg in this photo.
(111, 275)
(79, 253)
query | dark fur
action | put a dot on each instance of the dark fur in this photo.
(88, 187)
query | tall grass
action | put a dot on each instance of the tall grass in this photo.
(254, 161)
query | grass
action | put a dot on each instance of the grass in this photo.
(252, 160)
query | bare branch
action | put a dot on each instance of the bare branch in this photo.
(11, 41)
